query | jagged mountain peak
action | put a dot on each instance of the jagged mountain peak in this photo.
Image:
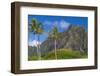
(75, 38)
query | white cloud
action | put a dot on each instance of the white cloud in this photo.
(34, 43)
(51, 22)
(64, 24)
(56, 23)
(47, 22)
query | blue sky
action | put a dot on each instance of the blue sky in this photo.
(62, 23)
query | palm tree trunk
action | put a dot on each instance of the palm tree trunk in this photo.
(36, 47)
(39, 52)
(55, 51)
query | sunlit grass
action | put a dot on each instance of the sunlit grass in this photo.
(61, 54)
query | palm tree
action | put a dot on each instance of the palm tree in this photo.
(39, 32)
(54, 35)
(37, 29)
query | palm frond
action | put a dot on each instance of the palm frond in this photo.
(54, 34)
(36, 27)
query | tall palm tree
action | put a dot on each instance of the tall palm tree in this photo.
(37, 29)
(39, 32)
(54, 34)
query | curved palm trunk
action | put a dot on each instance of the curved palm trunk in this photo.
(38, 46)
(55, 50)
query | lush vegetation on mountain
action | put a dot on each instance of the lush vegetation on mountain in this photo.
(61, 54)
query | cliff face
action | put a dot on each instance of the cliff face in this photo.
(75, 38)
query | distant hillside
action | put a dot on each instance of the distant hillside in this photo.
(31, 50)
(75, 38)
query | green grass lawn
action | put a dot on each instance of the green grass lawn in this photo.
(61, 54)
